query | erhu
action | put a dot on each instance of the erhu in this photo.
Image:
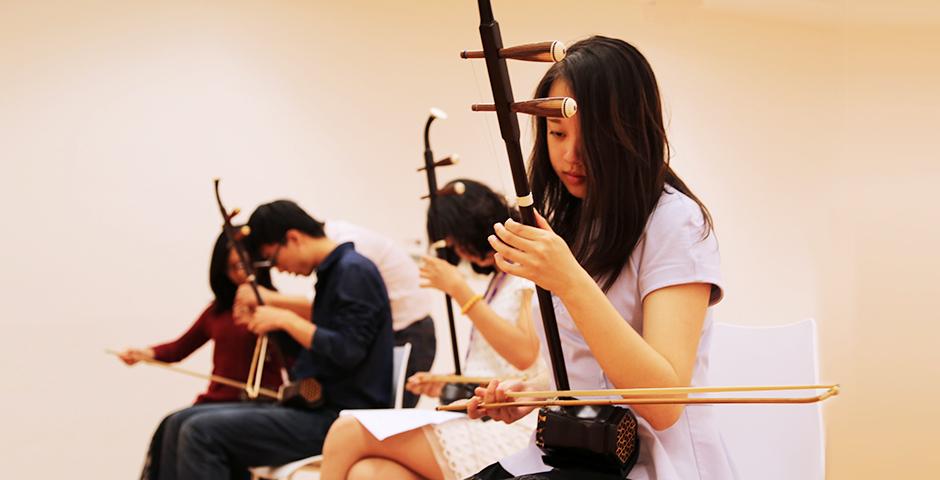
(306, 393)
(457, 386)
(571, 431)
(601, 437)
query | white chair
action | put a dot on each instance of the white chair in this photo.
(770, 442)
(400, 356)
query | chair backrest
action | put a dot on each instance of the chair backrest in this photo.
(400, 357)
(770, 441)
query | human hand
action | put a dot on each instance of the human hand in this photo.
(130, 356)
(441, 275)
(535, 253)
(495, 392)
(246, 301)
(419, 385)
(264, 319)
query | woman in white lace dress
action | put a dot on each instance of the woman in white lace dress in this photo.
(503, 344)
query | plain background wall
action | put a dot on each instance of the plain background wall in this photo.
(807, 127)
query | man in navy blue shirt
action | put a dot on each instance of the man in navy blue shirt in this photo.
(346, 344)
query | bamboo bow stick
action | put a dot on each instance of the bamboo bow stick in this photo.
(215, 378)
(638, 397)
(630, 392)
(256, 371)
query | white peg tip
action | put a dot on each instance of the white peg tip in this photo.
(454, 159)
(439, 244)
(438, 113)
(459, 188)
(559, 50)
(569, 107)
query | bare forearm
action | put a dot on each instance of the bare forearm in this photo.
(623, 354)
(510, 339)
(519, 349)
(299, 305)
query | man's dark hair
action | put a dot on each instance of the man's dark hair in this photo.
(270, 222)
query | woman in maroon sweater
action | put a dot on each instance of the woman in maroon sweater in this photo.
(233, 344)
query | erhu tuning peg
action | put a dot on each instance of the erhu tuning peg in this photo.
(531, 52)
(555, 107)
(456, 188)
(444, 162)
(242, 232)
(447, 161)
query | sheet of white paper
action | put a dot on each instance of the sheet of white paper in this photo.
(383, 423)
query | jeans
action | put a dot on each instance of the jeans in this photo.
(220, 441)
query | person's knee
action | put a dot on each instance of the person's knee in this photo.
(363, 470)
(346, 435)
(172, 422)
(194, 435)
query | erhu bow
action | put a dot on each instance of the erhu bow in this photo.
(304, 394)
(211, 377)
(657, 396)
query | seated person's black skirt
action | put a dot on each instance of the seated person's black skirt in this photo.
(497, 472)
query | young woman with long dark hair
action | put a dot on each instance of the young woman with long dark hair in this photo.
(629, 253)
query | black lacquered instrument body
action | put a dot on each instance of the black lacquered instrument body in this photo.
(305, 394)
(456, 391)
(601, 437)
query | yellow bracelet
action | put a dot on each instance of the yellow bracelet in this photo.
(470, 303)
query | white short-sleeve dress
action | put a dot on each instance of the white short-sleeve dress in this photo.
(673, 250)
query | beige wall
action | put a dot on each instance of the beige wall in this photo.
(809, 132)
(878, 262)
